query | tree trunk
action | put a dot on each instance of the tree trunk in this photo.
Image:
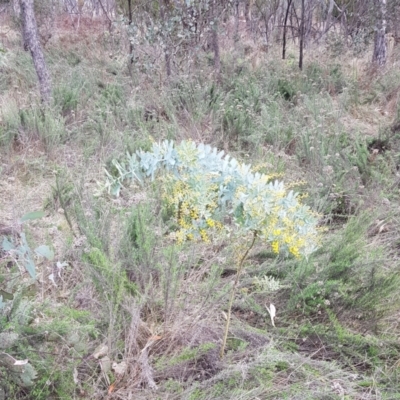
(285, 30)
(16, 7)
(329, 17)
(237, 20)
(31, 43)
(215, 43)
(247, 15)
(308, 22)
(167, 52)
(130, 23)
(302, 30)
(380, 47)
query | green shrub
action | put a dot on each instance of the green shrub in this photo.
(342, 275)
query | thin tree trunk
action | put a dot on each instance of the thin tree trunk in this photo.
(329, 17)
(343, 21)
(302, 34)
(16, 7)
(332, 22)
(167, 53)
(31, 43)
(247, 15)
(236, 34)
(105, 12)
(215, 43)
(270, 22)
(130, 23)
(380, 47)
(308, 22)
(294, 24)
(285, 30)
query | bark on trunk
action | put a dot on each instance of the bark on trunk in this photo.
(167, 52)
(380, 47)
(215, 43)
(130, 23)
(31, 43)
(302, 30)
(329, 17)
(16, 7)
(236, 35)
(289, 3)
(247, 15)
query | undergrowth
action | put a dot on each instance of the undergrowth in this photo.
(131, 312)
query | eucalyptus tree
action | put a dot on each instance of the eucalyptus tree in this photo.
(32, 43)
(268, 11)
(289, 3)
(180, 29)
(379, 56)
(393, 18)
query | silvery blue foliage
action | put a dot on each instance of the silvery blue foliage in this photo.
(20, 251)
(164, 156)
(256, 203)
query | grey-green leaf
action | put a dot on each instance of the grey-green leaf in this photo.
(45, 252)
(30, 267)
(7, 245)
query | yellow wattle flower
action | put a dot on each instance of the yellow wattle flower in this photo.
(275, 247)
(210, 222)
(295, 251)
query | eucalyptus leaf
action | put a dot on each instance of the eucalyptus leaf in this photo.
(24, 246)
(7, 245)
(45, 252)
(30, 267)
(24, 375)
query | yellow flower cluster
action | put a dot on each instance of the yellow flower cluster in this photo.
(201, 185)
(295, 184)
(268, 213)
(219, 225)
(194, 213)
(210, 222)
(204, 235)
(265, 167)
(295, 251)
(302, 196)
(180, 236)
(193, 202)
(259, 167)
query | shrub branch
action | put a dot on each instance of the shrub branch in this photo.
(233, 292)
